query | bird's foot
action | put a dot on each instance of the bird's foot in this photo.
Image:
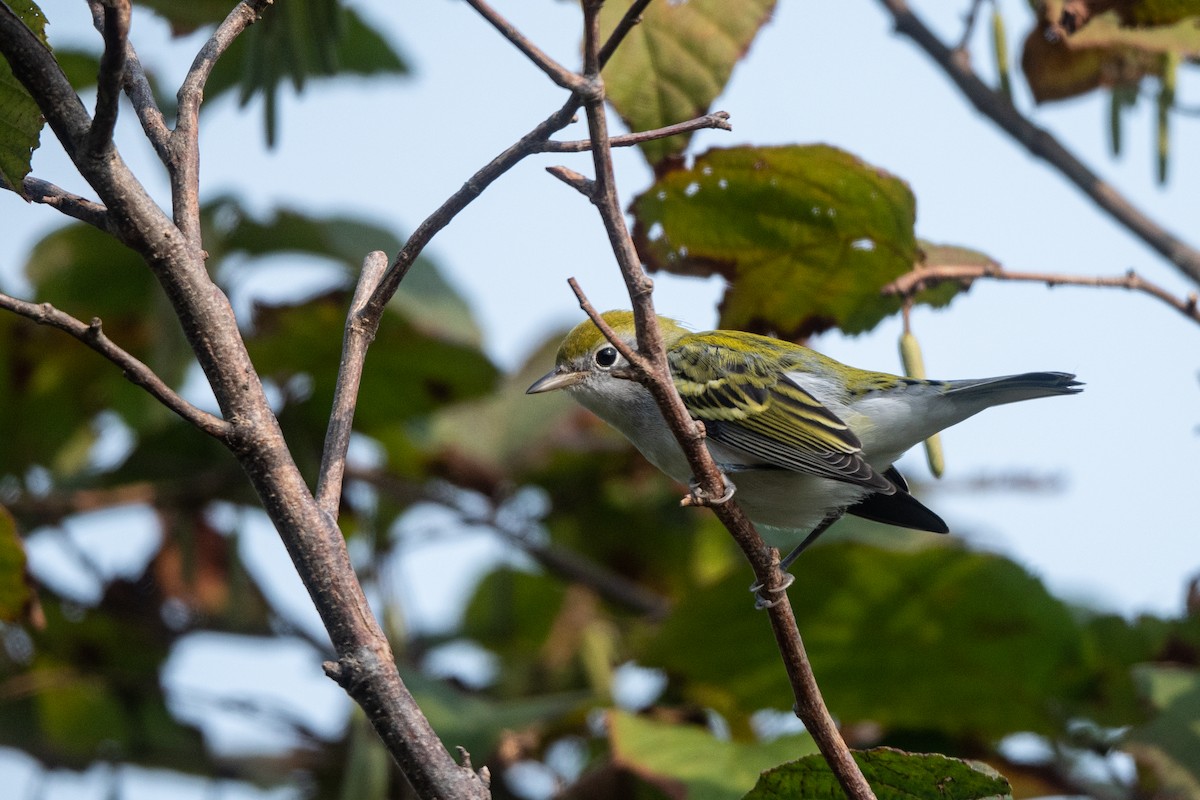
(761, 601)
(696, 495)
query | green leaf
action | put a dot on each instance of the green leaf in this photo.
(709, 768)
(408, 373)
(806, 236)
(230, 229)
(20, 119)
(475, 723)
(16, 592)
(296, 41)
(1169, 743)
(88, 273)
(184, 18)
(939, 639)
(368, 765)
(893, 775)
(425, 297)
(674, 63)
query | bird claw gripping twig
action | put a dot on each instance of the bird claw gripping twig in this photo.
(697, 496)
(761, 602)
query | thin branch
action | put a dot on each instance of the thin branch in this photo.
(355, 341)
(580, 183)
(184, 165)
(74, 206)
(655, 375)
(112, 20)
(484, 177)
(910, 283)
(717, 119)
(632, 18)
(968, 25)
(141, 95)
(1044, 145)
(134, 370)
(556, 72)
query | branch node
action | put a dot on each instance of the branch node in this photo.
(585, 186)
(335, 672)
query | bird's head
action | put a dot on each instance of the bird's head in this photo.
(588, 363)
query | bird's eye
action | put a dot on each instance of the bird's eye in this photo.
(605, 357)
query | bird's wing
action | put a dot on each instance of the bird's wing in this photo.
(760, 411)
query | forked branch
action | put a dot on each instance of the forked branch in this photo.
(1043, 144)
(138, 373)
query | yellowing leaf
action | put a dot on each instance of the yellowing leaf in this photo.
(674, 63)
(16, 594)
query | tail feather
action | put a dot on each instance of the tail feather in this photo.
(1013, 388)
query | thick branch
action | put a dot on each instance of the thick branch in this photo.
(910, 283)
(1043, 144)
(717, 119)
(355, 341)
(112, 19)
(365, 666)
(138, 373)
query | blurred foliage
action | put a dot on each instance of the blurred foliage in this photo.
(1079, 46)
(925, 646)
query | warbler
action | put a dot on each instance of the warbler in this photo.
(804, 438)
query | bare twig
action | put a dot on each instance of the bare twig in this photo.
(717, 119)
(580, 183)
(632, 18)
(557, 72)
(355, 341)
(484, 177)
(80, 208)
(1044, 145)
(138, 373)
(968, 25)
(112, 19)
(137, 89)
(184, 165)
(912, 282)
(652, 371)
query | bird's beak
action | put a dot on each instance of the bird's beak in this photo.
(554, 380)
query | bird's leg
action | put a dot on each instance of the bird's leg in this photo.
(760, 601)
(696, 495)
(812, 537)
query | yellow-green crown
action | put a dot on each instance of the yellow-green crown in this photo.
(586, 337)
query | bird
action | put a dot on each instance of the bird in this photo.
(802, 437)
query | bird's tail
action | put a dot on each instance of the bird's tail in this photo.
(1013, 388)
